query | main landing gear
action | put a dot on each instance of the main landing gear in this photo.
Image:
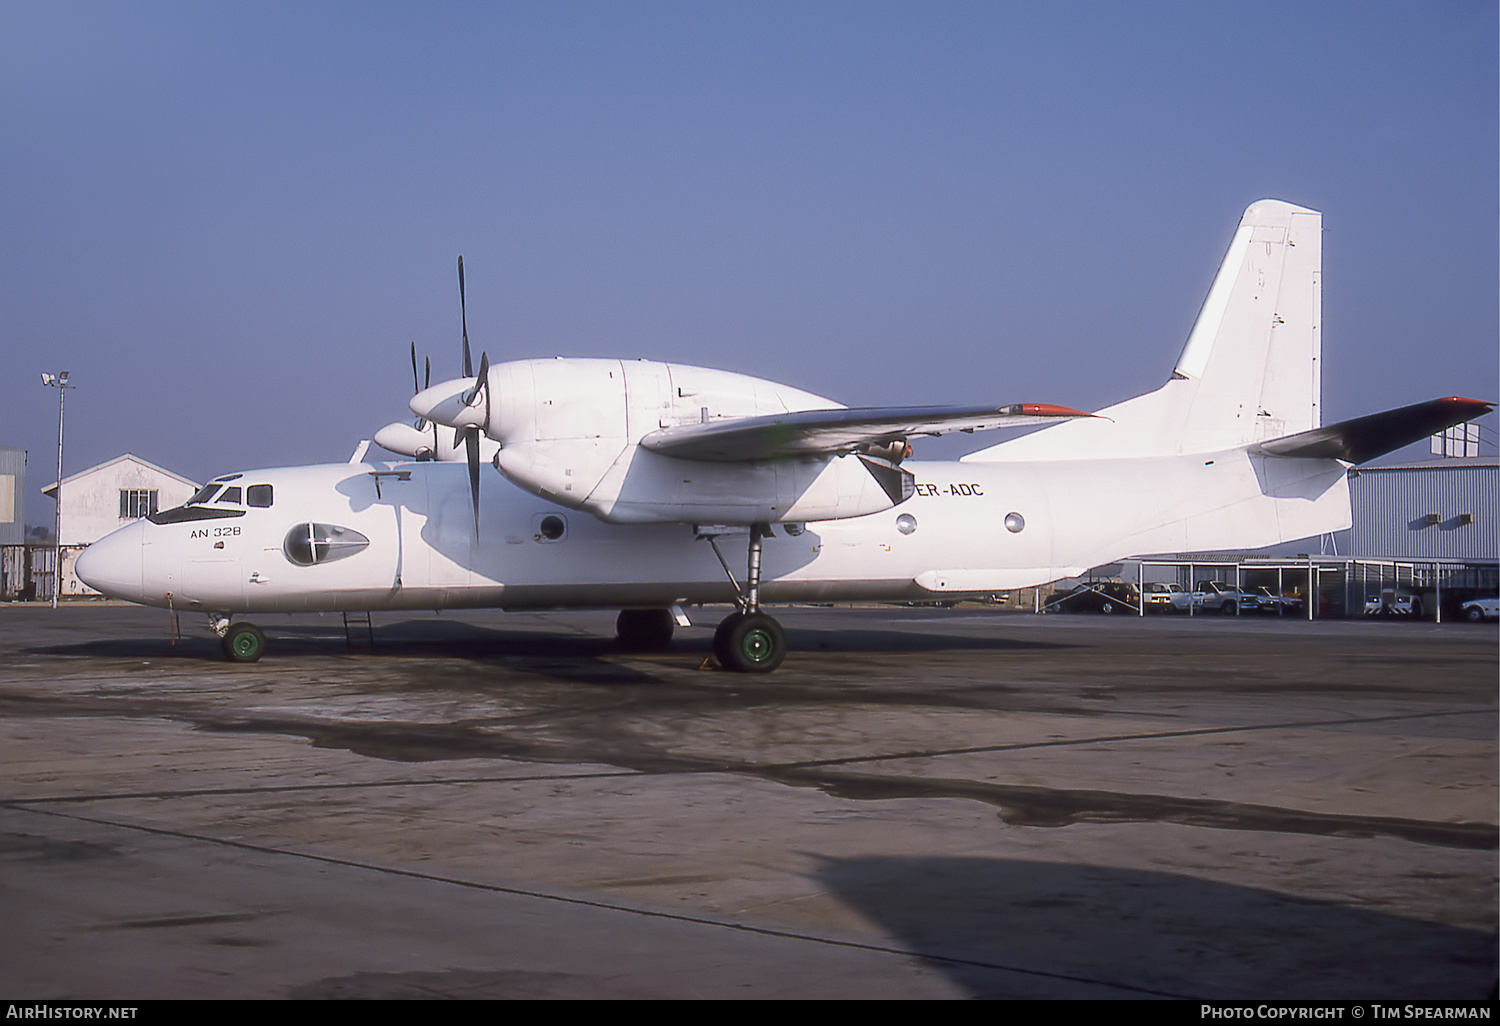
(748, 640)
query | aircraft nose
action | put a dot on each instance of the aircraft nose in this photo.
(112, 564)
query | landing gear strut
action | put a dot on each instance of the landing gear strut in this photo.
(748, 640)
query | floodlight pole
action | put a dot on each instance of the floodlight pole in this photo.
(59, 382)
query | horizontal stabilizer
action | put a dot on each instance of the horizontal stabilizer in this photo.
(817, 432)
(1364, 438)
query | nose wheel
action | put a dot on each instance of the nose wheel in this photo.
(243, 643)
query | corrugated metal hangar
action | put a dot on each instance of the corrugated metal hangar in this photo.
(1445, 509)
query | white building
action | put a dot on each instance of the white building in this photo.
(101, 499)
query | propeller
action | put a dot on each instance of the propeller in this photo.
(417, 385)
(470, 435)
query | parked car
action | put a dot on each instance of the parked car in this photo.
(1264, 600)
(1166, 598)
(1476, 610)
(1098, 597)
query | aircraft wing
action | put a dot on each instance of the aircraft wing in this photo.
(815, 432)
(1363, 438)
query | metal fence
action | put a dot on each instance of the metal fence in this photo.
(28, 573)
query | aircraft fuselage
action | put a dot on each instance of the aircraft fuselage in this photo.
(402, 536)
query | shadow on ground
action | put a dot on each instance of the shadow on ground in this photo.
(1067, 929)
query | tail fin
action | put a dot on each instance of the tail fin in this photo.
(1250, 371)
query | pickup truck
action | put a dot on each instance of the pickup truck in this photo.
(1393, 603)
(1216, 597)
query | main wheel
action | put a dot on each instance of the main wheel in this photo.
(749, 643)
(244, 643)
(644, 630)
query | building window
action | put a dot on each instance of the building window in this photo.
(137, 502)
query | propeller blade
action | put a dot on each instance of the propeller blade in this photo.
(471, 443)
(463, 312)
(426, 371)
(415, 385)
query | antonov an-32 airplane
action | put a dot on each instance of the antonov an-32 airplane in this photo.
(624, 481)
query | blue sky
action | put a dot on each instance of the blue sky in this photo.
(229, 220)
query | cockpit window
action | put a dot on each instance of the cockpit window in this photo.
(202, 494)
(231, 494)
(187, 514)
(258, 495)
(307, 544)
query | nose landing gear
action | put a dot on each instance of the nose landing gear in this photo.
(242, 642)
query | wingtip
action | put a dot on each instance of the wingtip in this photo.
(1052, 410)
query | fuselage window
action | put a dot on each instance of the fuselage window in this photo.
(549, 527)
(308, 544)
(231, 494)
(258, 495)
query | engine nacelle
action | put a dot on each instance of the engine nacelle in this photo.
(644, 487)
(568, 431)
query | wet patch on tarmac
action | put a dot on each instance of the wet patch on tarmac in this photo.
(461, 984)
(32, 848)
(1050, 807)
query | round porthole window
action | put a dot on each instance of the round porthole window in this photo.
(1015, 523)
(906, 523)
(551, 528)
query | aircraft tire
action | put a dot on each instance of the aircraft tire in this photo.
(244, 643)
(749, 643)
(644, 630)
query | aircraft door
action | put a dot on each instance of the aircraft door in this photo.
(217, 584)
(443, 538)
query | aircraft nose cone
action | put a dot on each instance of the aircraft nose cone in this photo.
(112, 564)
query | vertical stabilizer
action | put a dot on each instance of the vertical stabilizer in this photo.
(1251, 368)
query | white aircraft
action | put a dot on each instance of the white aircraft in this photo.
(623, 478)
